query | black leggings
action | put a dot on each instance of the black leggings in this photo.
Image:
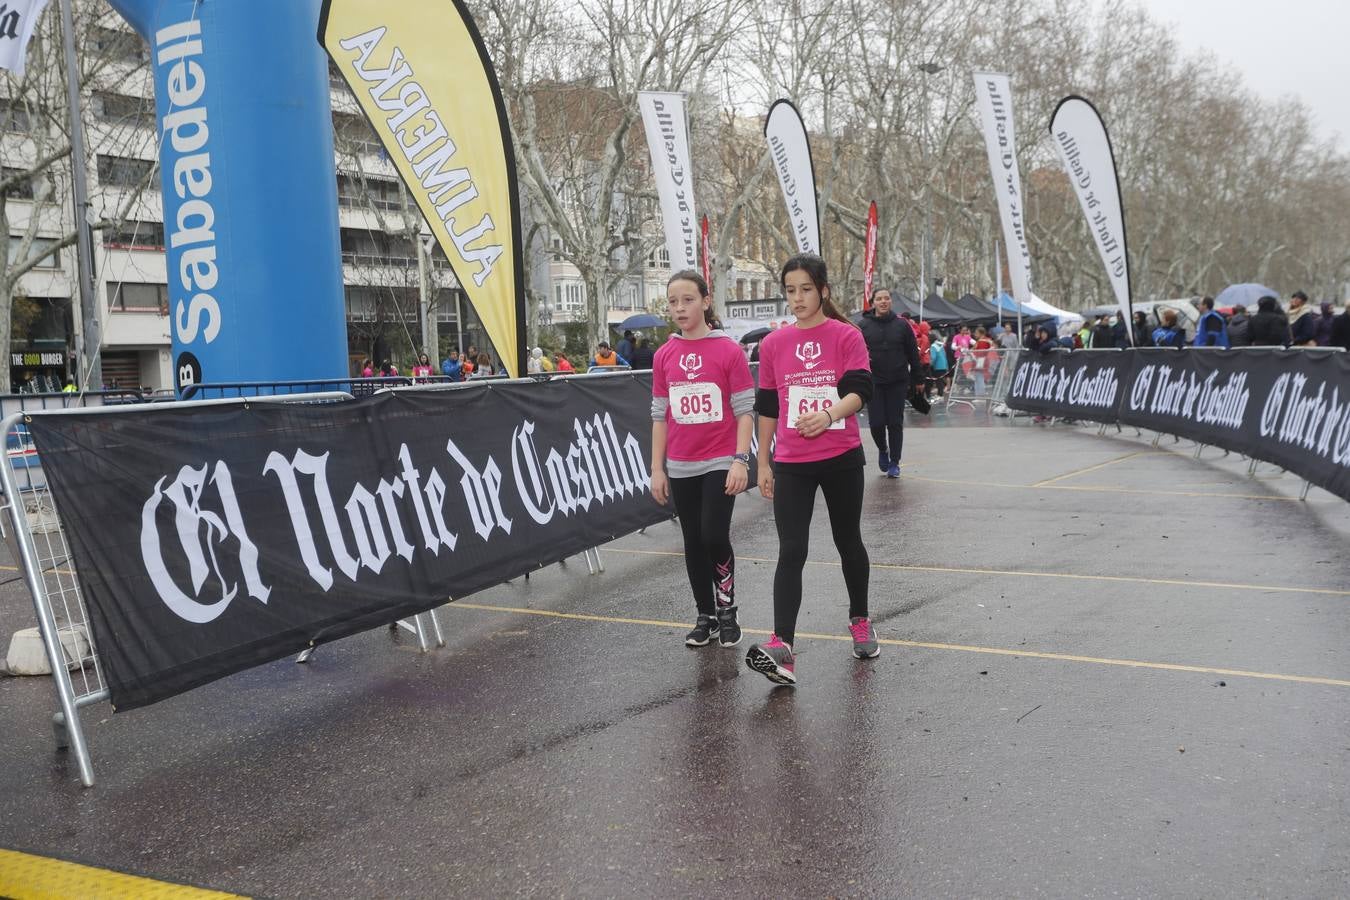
(705, 518)
(896, 433)
(886, 416)
(794, 499)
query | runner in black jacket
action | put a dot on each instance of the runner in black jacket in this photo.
(896, 370)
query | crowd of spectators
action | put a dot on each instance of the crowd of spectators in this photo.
(1271, 325)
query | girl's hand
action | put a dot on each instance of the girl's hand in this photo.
(815, 424)
(660, 487)
(765, 482)
(738, 476)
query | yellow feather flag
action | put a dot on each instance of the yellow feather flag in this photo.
(423, 78)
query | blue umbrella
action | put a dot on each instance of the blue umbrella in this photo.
(1243, 294)
(641, 320)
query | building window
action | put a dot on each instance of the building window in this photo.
(353, 134)
(134, 235)
(740, 288)
(138, 298)
(14, 118)
(124, 109)
(51, 258)
(21, 189)
(361, 247)
(120, 46)
(122, 171)
(362, 304)
(380, 193)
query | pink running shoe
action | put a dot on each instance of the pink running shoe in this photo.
(773, 660)
(865, 645)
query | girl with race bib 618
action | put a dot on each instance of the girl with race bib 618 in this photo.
(702, 403)
(813, 379)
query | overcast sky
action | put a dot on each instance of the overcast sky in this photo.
(1283, 47)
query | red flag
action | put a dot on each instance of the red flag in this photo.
(706, 255)
(870, 255)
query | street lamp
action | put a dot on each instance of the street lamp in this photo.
(927, 68)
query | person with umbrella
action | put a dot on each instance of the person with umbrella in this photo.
(1270, 326)
(627, 345)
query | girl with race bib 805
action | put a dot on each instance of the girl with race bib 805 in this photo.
(813, 379)
(702, 403)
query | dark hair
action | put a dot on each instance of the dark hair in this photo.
(815, 269)
(1207, 303)
(709, 316)
(1299, 295)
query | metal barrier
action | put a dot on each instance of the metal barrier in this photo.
(38, 543)
(43, 556)
(356, 387)
(981, 376)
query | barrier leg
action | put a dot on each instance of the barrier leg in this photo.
(1199, 448)
(590, 566)
(436, 629)
(599, 564)
(51, 638)
(1307, 485)
(1156, 439)
(421, 634)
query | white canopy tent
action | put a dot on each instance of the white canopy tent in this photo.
(1068, 321)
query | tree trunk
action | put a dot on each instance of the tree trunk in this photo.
(597, 304)
(6, 329)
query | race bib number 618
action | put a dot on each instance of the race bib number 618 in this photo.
(802, 401)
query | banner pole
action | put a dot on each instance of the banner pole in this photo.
(998, 284)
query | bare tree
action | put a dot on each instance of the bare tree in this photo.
(571, 74)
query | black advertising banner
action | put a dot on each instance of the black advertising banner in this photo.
(1081, 385)
(1287, 407)
(211, 539)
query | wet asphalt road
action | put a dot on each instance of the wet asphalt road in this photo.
(545, 755)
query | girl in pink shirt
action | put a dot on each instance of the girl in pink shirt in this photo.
(814, 376)
(702, 400)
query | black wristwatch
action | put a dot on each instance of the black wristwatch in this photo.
(742, 458)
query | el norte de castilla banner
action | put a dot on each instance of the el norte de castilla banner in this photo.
(790, 151)
(1084, 147)
(422, 76)
(211, 539)
(1286, 407)
(993, 93)
(666, 127)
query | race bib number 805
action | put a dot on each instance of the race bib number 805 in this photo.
(696, 404)
(802, 401)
